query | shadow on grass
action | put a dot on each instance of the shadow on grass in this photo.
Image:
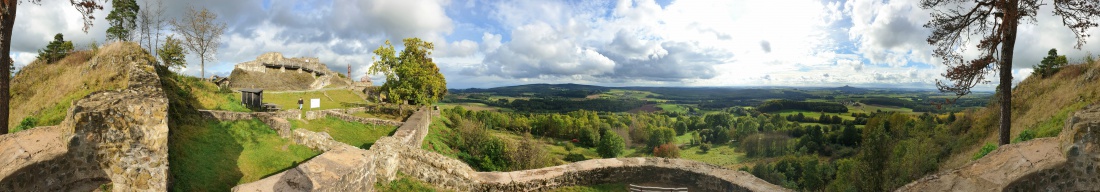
(201, 156)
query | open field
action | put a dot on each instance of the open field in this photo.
(815, 115)
(468, 106)
(351, 133)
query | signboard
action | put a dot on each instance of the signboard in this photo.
(315, 103)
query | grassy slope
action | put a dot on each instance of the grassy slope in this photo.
(1038, 104)
(45, 91)
(214, 156)
(351, 133)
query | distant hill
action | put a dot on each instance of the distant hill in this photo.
(850, 89)
(540, 90)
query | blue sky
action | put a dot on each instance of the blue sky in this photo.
(615, 43)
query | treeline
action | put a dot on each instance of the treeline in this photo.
(783, 104)
(860, 119)
(892, 149)
(556, 105)
(925, 105)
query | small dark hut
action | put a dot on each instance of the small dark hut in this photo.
(252, 98)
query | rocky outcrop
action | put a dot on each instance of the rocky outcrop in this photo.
(1069, 162)
(272, 71)
(118, 137)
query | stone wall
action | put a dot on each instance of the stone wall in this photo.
(343, 114)
(237, 116)
(1069, 162)
(350, 169)
(118, 137)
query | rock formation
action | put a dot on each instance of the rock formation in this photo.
(272, 71)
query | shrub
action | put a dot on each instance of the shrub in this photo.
(989, 147)
(668, 150)
(27, 123)
(1024, 136)
(528, 154)
(574, 157)
(705, 147)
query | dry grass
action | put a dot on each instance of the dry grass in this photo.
(46, 91)
(1037, 104)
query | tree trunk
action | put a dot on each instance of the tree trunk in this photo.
(202, 67)
(1011, 20)
(7, 20)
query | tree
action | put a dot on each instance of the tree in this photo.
(172, 54)
(56, 49)
(123, 19)
(954, 22)
(201, 34)
(151, 23)
(411, 76)
(1050, 64)
(7, 21)
(611, 145)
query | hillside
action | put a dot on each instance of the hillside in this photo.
(43, 92)
(1040, 106)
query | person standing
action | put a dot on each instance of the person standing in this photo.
(299, 103)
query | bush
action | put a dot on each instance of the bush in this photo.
(705, 147)
(989, 147)
(668, 150)
(1024, 136)
(27, 123)
(611, 145)
(574, 157)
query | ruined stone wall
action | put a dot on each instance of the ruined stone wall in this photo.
(343, 114)
(118, 137)
(237, 116)
(1069, 162)
(351, 169)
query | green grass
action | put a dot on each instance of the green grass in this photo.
(609, 187)
(815, 115)
(436, 140)
(872, 108)
(720, 155)
(1053, 126)
(469, 106)
(405, 183)
(336, 99)
(351, 133)
(673, 108)
(215, 156)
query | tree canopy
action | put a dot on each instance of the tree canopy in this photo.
(412, 75)
(992, 24)
(172, 54)
(123, 19)
(1050, 64)
(56, 49)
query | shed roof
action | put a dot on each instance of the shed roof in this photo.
(252, 90)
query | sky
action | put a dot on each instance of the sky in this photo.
(482, 44)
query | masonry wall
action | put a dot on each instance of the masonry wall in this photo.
(117, 137)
